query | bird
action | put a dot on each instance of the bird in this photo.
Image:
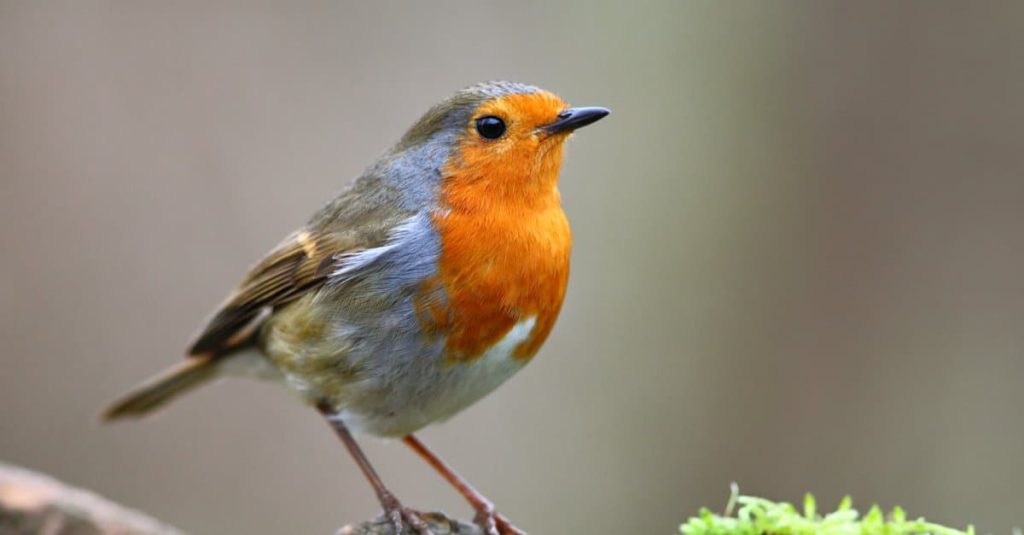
(435, 276)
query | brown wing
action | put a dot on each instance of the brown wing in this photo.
(300, 264)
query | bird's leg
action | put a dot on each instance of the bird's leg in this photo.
(488, 519)
(397, 513)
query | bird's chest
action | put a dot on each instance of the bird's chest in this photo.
(495, 272)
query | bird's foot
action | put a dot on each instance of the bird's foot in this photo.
(493, 523)
(401, 516)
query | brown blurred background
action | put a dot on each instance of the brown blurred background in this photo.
(798, 259)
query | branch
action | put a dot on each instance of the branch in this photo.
(32, 503)
(439, 524)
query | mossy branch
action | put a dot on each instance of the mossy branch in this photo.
(758, 516)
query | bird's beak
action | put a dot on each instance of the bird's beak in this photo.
(574, 118)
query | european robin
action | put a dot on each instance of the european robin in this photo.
(426, 284)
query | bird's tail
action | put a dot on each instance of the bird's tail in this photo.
(162, 388)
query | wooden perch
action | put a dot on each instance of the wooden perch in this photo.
(35, 504)
(438, 522)
(32, 503)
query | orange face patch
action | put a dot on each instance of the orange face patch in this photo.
(518, 169)
(505, 241)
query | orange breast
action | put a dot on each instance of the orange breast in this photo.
(505, 245)
(496, 273)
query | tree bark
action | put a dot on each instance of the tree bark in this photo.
(35, 504)
(438, 522)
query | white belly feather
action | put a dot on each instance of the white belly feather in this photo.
(454, 386)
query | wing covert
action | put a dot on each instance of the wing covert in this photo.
(298, 265)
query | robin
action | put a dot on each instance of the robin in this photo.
(426, 284)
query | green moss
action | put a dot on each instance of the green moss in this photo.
(758, 516)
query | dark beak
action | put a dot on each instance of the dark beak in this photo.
(574, 118)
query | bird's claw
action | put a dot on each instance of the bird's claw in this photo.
(485, 519)
(493, 523)
(401, 516)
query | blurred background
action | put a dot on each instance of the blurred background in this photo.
(798, 260)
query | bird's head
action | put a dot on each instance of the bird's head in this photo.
(501, 142)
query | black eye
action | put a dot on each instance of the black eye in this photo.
(490, 127)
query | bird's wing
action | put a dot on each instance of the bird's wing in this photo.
(300, 264)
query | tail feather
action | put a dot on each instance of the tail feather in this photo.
(158, 390)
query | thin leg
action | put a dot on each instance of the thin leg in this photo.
(394, 509)
(491, 522)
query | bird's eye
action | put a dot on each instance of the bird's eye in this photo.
(490, 127)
